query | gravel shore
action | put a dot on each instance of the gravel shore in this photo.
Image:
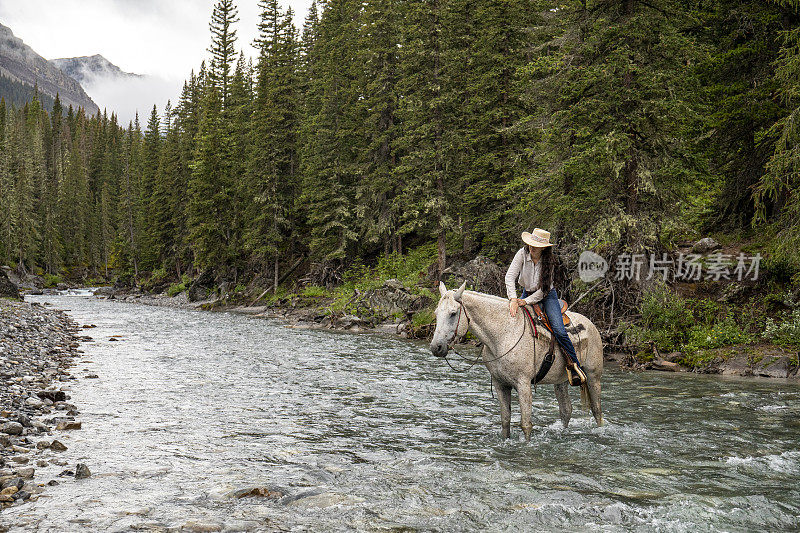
(37, 348)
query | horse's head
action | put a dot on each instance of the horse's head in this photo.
(450, 323)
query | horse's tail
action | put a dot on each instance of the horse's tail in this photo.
(584, 396)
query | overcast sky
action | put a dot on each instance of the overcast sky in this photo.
(163, 38)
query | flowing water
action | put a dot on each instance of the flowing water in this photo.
(369, 432)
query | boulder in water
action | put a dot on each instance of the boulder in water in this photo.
(262, 492)
(82, 471)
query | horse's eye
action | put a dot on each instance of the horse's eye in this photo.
(453, 313)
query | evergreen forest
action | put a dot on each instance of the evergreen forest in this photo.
(375, 128)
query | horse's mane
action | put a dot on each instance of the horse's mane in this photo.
(488, 296)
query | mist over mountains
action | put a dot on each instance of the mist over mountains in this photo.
(87, 69)
(124, 93)
(22, 68)
(91, 82)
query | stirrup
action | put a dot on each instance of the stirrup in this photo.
(575, 375)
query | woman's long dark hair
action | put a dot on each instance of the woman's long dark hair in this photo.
(548, 268)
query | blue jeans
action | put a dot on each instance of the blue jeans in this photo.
(552, 308)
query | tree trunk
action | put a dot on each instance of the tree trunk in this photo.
(275, 286)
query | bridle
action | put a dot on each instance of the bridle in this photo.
(458, 323)
(473, 362)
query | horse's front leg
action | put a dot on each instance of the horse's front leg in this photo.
(503, 392)
(564, 403)
(525, 407)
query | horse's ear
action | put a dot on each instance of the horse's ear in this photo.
(460, 291)
(442, 288)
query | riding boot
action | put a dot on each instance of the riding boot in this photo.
(575, 374)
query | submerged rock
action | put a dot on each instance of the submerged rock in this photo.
(197, 526)
(262, 492)
(82, 471)
(53, 395)
(326, 499)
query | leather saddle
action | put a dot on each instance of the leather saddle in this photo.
(542, 316)
(573, 373)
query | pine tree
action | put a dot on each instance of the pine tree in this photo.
(612, 106)
(74, 201)
(6, 187)
(423, 175)
(237, 119)
(108, 210)
(147, 225)
(223, 51)
(776, 193)
(209, 204)
(739, 81)
(34, 144)
(332, 134)
(491, 38)
(377, 210)
(166, 203)
(272, 174)
(187, 124)
(126, 245)
(51, 239)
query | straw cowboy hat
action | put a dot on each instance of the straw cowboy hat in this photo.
(539, 238)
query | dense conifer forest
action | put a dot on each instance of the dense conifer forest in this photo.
(381, 126)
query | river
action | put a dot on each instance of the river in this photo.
(370, 432)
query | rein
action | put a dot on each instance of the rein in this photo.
(473, 362)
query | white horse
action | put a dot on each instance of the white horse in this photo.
(514, 356)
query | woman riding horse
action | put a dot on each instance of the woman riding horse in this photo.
(533, 267)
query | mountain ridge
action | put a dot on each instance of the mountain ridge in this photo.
(21, 64)
(87, 68)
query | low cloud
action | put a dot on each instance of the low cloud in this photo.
(126, 96)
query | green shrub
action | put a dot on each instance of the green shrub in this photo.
(666, 318)
(51, 280)
(722, 333)
(782, 261)
(175, 289)
(785, 332)
(272, 297)
(158, 275)
(673, 323)
(313, 291)
(423, 318)
(698, 359)
(408, 269)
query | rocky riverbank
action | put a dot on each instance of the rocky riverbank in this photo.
(37, 349)
(387, 309)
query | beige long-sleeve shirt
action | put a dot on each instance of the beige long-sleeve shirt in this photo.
(529, 275)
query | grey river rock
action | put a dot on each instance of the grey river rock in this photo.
(222, 422)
